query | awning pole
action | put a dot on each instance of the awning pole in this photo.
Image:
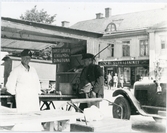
(103, 50)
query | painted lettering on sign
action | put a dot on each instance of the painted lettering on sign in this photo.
(133, 62)
(60, 55)
(60, 60)
(59, 50)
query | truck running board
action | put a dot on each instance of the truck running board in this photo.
(153, 107)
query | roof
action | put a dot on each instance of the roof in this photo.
(124, 22)
(18, 34)
(27, 24)
(161, 25)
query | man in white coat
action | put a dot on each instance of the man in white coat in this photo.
(23, 82)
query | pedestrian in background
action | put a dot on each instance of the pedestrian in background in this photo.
(91, 80)
(138, 78)
(115, 80)
(23, 82)
(121, 80)
(109, 80)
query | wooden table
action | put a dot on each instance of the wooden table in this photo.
(9, 117)
(46, 99)
(53, 97)
(49, 98)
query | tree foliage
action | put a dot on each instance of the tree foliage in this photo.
(38, 16)
(41, 16)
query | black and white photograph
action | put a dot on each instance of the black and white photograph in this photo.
(83, 66)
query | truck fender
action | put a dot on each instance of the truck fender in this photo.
(130, 98)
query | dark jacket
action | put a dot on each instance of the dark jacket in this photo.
(95, 77)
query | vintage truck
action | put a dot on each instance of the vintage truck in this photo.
(145, 101)
(147, 98)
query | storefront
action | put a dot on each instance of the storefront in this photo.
(130, 69)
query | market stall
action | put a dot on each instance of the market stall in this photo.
(67, 46)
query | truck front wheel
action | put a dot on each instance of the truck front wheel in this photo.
(118, 103)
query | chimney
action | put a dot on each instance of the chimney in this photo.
(107, 12)
(99, 15)
(65, 23)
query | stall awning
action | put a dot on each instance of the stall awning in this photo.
(18, 45)
(18, 34)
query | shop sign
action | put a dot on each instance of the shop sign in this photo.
(129, 62)
(60, 55)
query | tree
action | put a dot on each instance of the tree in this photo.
(41, 17)
(38, 16)
(160, 68)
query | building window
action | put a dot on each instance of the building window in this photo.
(143, 47)
(112, 50)
(163, 42)
(126, 48)
(110, 27)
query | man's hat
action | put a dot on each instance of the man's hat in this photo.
(87, 56)
(26, 52)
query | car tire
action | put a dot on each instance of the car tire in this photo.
(121, 101)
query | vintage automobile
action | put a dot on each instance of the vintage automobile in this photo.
(148, 99)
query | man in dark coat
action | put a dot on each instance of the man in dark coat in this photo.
(91, 80)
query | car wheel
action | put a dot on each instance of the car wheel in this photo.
(121, 101)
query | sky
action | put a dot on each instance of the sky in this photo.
(76, 11)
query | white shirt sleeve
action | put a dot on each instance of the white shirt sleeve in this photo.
(11, 82)
(37, 82)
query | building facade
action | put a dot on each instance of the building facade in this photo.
(136, 41)
(127, 56)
